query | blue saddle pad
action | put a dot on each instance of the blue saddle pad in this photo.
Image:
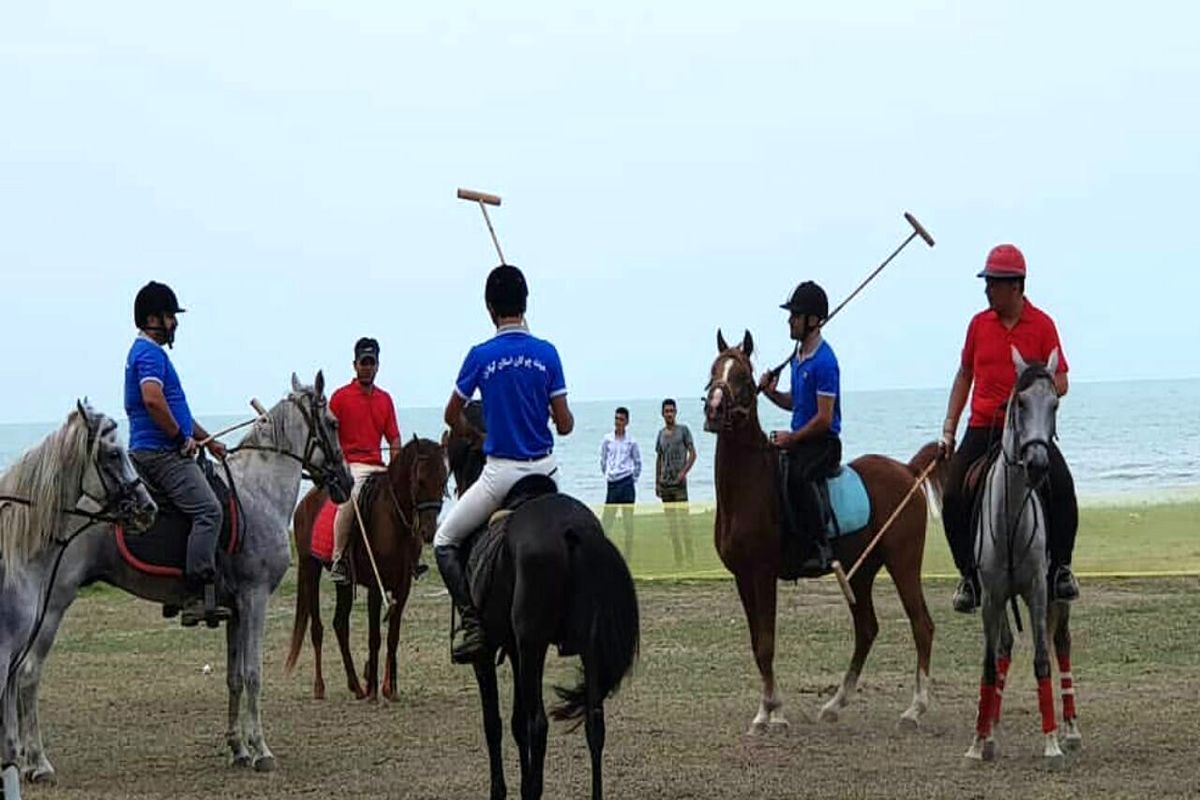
(851, 504)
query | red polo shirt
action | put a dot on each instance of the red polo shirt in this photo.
(987, 353)
(364, 417)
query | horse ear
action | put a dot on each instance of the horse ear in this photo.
(1052, 362)
(747, 344)
(1018, 362)
(81, 407)
(319, 383)
(722, 345)
(296, 387)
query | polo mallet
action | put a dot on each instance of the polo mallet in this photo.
(845, 578)
(262, 415)
(918, 230)
(484, 199)
(362, 529)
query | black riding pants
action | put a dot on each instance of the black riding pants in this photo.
(1057, 495)
(809, 461)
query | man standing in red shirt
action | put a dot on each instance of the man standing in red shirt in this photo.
(365, 416)
(987, 365)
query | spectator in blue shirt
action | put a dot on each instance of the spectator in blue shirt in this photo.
(813, 444)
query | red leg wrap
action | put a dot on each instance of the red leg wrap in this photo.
(1046, 704)
(987, 703)
(1002, 665)
(1067, 683)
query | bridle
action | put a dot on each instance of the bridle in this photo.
(1012, 425)
(418, 506)
(317, 440)
(736, 404)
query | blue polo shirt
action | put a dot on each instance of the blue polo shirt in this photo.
(148, 361)
(817, 374)
(516, 375)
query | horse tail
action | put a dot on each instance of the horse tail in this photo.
(602, 619)
(302, 522)
(935, 483)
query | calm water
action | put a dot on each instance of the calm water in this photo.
(1122, 440)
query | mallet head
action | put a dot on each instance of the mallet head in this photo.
(479, 197)
(918, 227)
(258, 407)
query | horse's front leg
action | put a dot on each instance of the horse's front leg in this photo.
(371, 674)
(235, 682)
(37, 767)
(391, 678)
(253, 610)
(341, 629)
(10, 748)
(1036, 601)
(983, 746)
(757, 591)
(489, 696)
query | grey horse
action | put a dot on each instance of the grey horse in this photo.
(298, 436)
(1011, 542)
(39, 500)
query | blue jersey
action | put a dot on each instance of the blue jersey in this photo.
(148, 361)
(516, 374)
(817, 374)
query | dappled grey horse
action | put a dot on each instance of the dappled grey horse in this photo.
(39, 499)
(1011, 541)
(297, 437)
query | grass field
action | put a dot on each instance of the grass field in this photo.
(129, 712)
(1131, 539)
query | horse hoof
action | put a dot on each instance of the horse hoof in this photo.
(828, 714)
(907, 724)
(43, 776)
(241, 762)
(1072, 743)
(265, 764)
(758, 728)
(778, 726)
(1055, 762)
(990, 750)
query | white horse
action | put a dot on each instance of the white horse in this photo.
(39, 499)
(297, 437)
(1011, 541)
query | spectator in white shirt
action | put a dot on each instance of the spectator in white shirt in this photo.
(621, 463)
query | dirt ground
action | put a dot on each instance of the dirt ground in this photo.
(129, 712)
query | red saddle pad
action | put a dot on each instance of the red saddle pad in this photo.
(322, 534)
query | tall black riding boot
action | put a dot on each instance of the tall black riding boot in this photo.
(814, 528)
(470, 645)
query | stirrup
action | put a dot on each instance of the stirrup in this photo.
(339, 570)
(1066, 587)
(966, 597)
(471, 645)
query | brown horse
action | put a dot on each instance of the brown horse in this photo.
(747, 536)
(400, 510)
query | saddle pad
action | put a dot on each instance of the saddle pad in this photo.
(162, 550)
(321, 546)
(851, 506)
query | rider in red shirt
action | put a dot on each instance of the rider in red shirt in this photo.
(365, 415)
(1011, 320)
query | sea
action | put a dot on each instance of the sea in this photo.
(1125, 441)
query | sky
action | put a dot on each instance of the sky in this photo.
(666, 169)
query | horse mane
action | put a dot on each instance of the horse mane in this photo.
(1034, 371)
(42, 476)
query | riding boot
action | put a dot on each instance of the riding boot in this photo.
(818, 562)
(1064, 585)
(339, 570)
(471, 644)
(967, 594)
(203, 607)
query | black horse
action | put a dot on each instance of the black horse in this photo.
(554, 578)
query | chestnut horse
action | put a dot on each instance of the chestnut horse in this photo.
(747, 535)
(400, 513)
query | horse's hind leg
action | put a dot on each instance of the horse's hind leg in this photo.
(913, 600)
(866, 627)
(594, 727)
(312, 589)
(489, 696)
(533, 659)
(235, 683)
(1060, 631)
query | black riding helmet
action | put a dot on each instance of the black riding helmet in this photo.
(154, 298)
(808, 299)
(506, 291)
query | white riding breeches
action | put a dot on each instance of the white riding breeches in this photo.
(343, 521)
(486, 495)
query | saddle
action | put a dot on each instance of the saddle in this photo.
(162, 550)
(844, 505)
(485, 544)
(320, 546)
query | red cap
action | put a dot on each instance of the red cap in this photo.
(1005, 261)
